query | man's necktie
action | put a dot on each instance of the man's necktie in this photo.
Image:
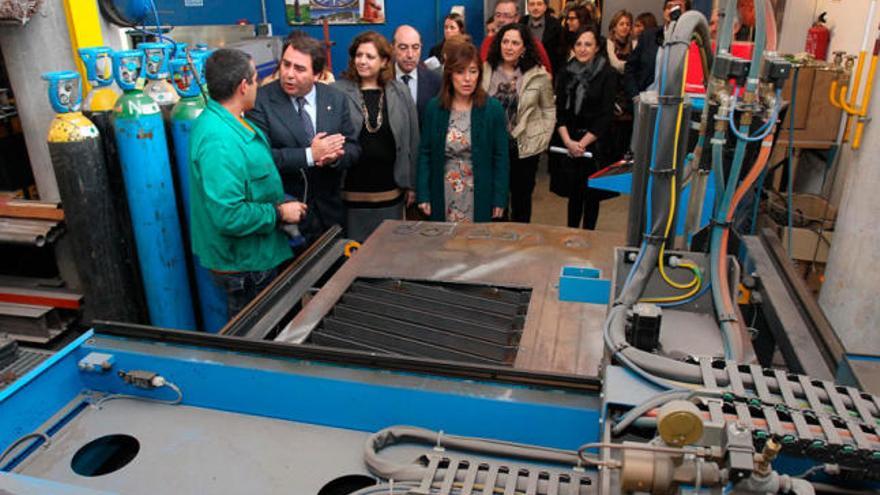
(304, 116)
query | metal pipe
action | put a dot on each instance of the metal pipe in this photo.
(23, 238)
(860, 110)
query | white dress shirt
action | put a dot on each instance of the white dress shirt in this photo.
(413, 83)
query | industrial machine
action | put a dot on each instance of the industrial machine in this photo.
(444, 358)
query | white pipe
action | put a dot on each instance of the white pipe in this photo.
(869, 25)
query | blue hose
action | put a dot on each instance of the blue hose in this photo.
(765, 129)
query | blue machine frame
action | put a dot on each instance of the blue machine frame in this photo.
(332, 394)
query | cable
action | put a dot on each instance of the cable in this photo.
(170, 402)
(696, 451)
(37, 434)
(696, 284)
(653, 402)
(762, 131)
(790, 186)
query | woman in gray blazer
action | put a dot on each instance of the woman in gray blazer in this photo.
(378, 186)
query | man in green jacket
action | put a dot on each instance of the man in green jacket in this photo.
(237, 208)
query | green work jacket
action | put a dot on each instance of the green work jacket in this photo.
(234, 187)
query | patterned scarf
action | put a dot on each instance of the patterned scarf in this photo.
(580, 76)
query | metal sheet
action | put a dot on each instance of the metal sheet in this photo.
(557, 336)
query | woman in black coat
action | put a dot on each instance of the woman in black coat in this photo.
(585, 92)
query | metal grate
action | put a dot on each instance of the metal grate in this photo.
(26, 360)
(443, 321)
(447, 475)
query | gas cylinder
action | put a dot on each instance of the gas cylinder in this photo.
(98, 107)
(156, 71)
(93, 223)
(149, 186)
(98, 61)
(186, 78)
(818, 39)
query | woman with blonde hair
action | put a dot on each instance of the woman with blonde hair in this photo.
(620, 41)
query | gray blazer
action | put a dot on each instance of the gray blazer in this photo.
(404, 120)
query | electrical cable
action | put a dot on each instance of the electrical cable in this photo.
(790, 185)
(695, 451)
(652, 403)
(695, 282)
(170, 402)
(9, 450)
(765, 128)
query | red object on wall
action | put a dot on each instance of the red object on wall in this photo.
(818, 39)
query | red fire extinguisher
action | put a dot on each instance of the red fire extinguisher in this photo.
(818, 38)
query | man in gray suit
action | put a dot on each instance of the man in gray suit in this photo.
(310, 132)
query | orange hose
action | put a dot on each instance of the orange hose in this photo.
(744, 187)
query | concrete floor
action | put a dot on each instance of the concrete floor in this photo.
(550, 209)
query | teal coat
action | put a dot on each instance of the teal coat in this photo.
(234, 187)
(489, 150)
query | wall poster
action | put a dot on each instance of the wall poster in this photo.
(335, 11)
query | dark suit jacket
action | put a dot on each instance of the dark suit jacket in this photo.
(639, 71)
(551, 39)
(489, 159)
(429, 87)
(275, 114)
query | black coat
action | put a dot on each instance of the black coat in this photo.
(551, 39)
(639, 71)
(595, 117)
(597, 110)
(275, 114)
(429, 87)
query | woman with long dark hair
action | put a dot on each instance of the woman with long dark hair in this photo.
(453, 25)
(513, 74)
(463, 160)
(584, 107)
(387, 124)
(577, 17)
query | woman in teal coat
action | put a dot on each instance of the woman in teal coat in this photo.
(463, 167)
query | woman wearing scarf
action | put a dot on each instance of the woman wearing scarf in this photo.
(513, 74)
(584, 108)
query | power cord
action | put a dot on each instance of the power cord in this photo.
(9, 450)
(146, 380)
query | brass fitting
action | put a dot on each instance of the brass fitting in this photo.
(765, 458)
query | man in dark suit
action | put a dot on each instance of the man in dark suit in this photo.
(310, 133)
(641, 65)
(545, 27)
(423, 83)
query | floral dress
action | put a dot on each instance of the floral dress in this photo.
(459, 174)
